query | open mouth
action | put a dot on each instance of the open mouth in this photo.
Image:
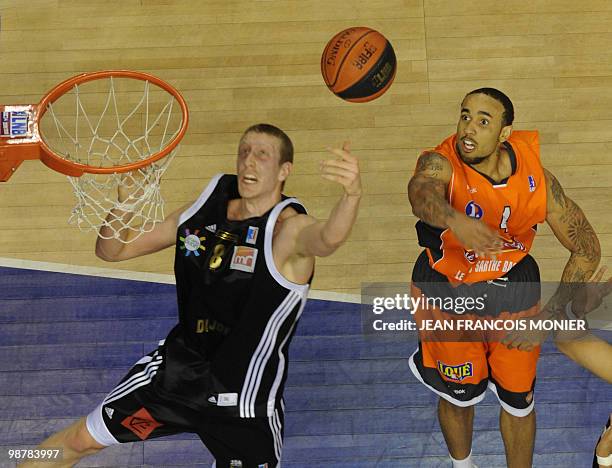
(468, 145)
(249, 179)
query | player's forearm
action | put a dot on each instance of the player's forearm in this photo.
(108, 245)
(590, 352)
(578, 270)
(336, 230)
(429, 204)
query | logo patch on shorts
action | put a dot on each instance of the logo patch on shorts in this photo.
(109, 411)
(227, 399)
(244, 259)
(456, 373)
(141, 423)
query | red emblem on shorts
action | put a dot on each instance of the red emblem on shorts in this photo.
(141, 423)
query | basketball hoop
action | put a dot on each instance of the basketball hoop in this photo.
(108, 131)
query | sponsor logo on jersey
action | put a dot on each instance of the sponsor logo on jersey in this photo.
(251, 237)
(192, 243)
(470, 255)
(236, 464)
(532, 183)
(514, 245)
(109, 412)
(473, 210)
(141, 423)
(457, 373)
(212, 228)
(244, 258)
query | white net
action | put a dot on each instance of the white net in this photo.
(134, 120)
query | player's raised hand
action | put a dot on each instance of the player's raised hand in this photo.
(343, 170)
(476, 235)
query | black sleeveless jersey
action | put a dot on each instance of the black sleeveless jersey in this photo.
(237, 313)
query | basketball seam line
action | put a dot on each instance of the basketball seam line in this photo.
(374, 69)
(347, 54)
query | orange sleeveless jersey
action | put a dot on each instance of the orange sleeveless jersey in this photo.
(513, 208)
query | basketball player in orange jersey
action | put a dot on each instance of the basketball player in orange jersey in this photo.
(479, 196)
(244, 260)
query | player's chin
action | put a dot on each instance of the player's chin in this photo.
(470, 158)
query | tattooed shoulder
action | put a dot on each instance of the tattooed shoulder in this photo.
(431, 162)
(555, 189)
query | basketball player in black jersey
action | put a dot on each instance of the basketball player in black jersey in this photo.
(244, 260)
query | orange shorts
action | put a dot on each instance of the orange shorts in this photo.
(460, 365)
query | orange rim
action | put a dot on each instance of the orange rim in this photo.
(60, 164)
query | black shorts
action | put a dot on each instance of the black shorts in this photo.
(135, 411)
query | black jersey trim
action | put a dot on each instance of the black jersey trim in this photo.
(193, 209)
(416, 366)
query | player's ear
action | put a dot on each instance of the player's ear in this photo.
(285, 170)
(505, 133)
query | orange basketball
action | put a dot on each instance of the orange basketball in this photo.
(358, 64)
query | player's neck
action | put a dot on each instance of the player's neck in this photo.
(497, 166)
(244, 208)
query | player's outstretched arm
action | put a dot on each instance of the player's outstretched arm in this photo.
(573, 230)
(588, 350)
(427, 195)
(111, 249)
(571, 227)
(322, 238)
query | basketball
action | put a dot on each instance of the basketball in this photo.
(358, 64)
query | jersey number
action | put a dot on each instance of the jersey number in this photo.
(505, 216)
(217, 257)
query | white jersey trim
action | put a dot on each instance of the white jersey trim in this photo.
(517, 412)
(193, 209)
(275, 428)
(280, 279)
(281, 367)
(262, 355)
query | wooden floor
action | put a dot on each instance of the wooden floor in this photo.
(242, 62)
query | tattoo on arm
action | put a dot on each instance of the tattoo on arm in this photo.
(580, 232)
(427, 191)
(572, 228)
(556, 190)
(431, 163)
